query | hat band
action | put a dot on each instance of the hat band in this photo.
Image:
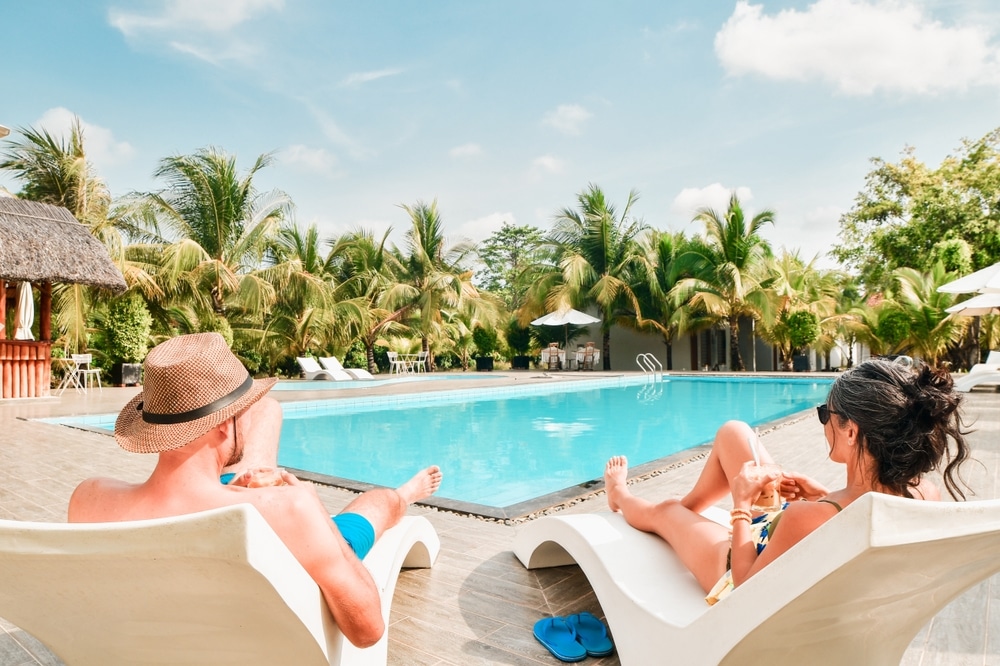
(195, 414)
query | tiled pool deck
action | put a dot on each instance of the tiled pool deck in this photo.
(477, 605)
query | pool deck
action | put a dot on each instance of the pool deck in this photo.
(477, 604)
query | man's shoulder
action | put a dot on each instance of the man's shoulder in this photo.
(95, 499)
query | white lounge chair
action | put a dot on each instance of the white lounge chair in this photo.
(312, 370)
(217, 587)
(333, 364)
(981, 373)
(856, 591)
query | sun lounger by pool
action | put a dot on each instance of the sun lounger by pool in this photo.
(333, 364)
(987, 373)
(217, 587)
(854, 592)
(312, 370)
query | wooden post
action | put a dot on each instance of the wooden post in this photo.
(3, 310)
(45, 312)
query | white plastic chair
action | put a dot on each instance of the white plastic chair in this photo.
(855, 591)
(397, 366)
(312, 370)
(217, 587)
(333, 364)
(85, 373)
(420, 365)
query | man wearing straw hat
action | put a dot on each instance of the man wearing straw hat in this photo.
(200, 410)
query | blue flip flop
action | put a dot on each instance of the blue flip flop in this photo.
(591, 634)
(559, 638)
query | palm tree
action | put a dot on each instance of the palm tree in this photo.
(662, 270)
(434, 275)
(305, 305)
(798, 286)
(217, 228)
(932, 330)
(734, 267)
(56, 171)
(367, 277)
(599, 260)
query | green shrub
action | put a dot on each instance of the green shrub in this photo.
(518, 339)
(127, 329)
(486, 340)
(803, 329)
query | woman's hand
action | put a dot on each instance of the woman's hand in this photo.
(748, 484)
(795, 486)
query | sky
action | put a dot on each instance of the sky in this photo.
(505, 111)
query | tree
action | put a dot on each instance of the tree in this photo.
(217, 229)
(434, 275)
(505, 255)
(733, 264)
(659, 274)
(367, 278)
(56, 171)
(931, 331)
(907, 212)
(598, 259)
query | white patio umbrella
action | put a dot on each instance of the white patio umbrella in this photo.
(25, 312)
(983, 304)
(985, 280)
(564, 318)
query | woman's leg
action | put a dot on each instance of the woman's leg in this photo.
(730, 450)
(700, 543)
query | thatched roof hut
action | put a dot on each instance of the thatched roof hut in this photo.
(43, 243)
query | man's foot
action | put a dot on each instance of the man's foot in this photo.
(615, 480)
(423, 484)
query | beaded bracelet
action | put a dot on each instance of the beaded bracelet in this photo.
(739, 514)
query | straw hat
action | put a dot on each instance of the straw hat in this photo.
(192, 383)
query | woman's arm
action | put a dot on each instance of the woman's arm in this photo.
(795, 486)
(797, 521)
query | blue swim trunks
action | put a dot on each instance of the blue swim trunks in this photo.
(357, 532)
(355, 528)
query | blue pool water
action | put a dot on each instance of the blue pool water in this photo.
(501, 450)
(506, 445)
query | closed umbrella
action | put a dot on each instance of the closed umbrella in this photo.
(983, 281)
(983, 304)
(564, 318)
(25, 313)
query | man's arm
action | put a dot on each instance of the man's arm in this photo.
(300, 520)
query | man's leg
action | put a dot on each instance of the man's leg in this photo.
(383, 508)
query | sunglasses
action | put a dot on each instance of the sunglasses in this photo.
(823, 412)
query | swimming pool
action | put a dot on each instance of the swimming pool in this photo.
(502, 448)
(380, 380)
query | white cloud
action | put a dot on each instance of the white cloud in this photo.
(544, 165)
(332, 131)
(567, 118)
(713, 196)
(183, 15)
(99, 142)
(204, 30)
(858, 46)
(315, 160)
(358, 78)
(482, 228)
(466, 150)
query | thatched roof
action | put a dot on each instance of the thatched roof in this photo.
(43, 243)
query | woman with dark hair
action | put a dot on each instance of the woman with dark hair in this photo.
(887, 423)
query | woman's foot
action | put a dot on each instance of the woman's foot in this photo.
(616, 481)
(423, 484)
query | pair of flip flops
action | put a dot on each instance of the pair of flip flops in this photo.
(574, 637)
